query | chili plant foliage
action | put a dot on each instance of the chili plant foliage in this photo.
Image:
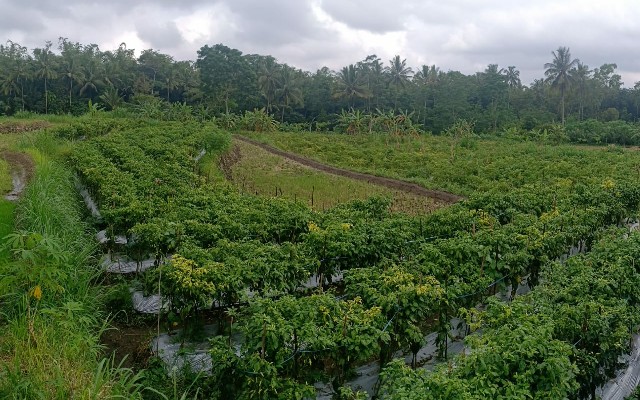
(292, 334)
(403, 276)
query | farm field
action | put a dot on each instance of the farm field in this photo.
(255, 170)
(318, 223)
(284, 300)
(461, 167)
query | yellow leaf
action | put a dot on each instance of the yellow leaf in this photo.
(37, 292)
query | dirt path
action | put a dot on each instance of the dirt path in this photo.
(22, 167)
(228, 160)
(377, 180)
(128, 344)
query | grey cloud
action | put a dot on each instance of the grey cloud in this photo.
(525, 34)
(13, 19)
(60, 8)
(39, 7)
(278, 22)
(313, 54)
(160, 35)
(374, 16)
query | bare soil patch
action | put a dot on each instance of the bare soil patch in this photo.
(228, 160)
(129, 345)
(20, 127)
(395, 184)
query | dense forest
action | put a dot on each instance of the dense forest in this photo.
(64, 78)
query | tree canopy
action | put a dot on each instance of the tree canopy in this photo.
(222, 80)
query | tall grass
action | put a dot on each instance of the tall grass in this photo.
(5, 177)
(51, 206)
(43, 145)
(49, 344)
(6, 225)
(6, 207)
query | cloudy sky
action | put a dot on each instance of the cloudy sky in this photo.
(463, 35)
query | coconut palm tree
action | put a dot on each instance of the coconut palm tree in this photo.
(375, 80)
(350, 84)
(92, 70)
(15, 70)
(558, 73)
(398, 75)
(425, 75)
(153, 64)
(71, 64)
(189, 79)
(120, 68)
(636, 98)
(268, 75)
(93, 76)
(512, 77)
(289, 92)
(581, 75)
(45, 69)
(371, 72)
(72, 72)
(24, 73)
(9, 82)
(171, 79)
(426, 78)
(111, 98)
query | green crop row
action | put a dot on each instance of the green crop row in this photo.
(563, 340)
(463, 167)
(403, 275)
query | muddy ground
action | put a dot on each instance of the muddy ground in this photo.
(22, 168)
(129, 345)
(20, 127)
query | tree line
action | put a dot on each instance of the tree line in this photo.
(65, 77)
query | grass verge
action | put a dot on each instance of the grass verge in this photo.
(5, 177)
(6, 226)
(51, 318)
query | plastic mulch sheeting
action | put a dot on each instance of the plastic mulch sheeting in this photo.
(152, 304)
(627, 379)
(177, 355)
(88, 200)
(119, 264)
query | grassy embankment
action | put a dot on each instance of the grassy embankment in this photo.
(50, 306)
